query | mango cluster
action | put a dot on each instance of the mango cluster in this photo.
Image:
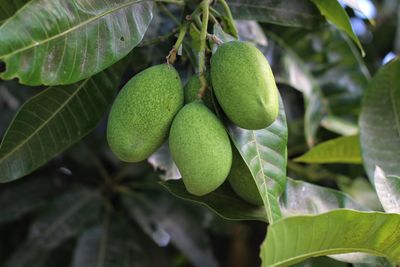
(153, 106)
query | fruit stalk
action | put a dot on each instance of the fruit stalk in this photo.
(172, 54)
(205, 5)
(228, 12)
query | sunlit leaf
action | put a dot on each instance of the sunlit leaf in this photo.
(56, 42)
(380, 122)
(339, 150)
(295, 239)
(53, 120)
(335, 13)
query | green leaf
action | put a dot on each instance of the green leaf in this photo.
(331, 75)
(339, 150)
(18, 199)
(295, 239)
(388, 190)
(56, 42)
(380, 122)
(222, 201)
(298, 13)
(110, 244)
(69, 215)
(265, 153)
(301, 198)
(8, 8)
(335, 13)
(53, 120)
(167, 219)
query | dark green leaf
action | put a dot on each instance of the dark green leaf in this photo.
(223, 201)
(335, 13)
(56, 42)
(295, 239)
(325, 66)
(388, 190)
(111, 244)
(20, 198)
(265, 153)
(166, 219)
(380, 122)
(8, 8)
(339, 150)
(69, 215)
(53, 120)
(298, 13)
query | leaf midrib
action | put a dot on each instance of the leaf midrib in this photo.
(268, 206)
(393, 102)
(44, 123)
(112, 10)
(68, 213)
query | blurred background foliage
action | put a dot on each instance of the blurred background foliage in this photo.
(79, 209)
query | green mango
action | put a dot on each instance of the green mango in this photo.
(201, 148)
(244, 85)
(192, 88)
(143, 111)
(242, 181)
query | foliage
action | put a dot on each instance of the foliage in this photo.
(327, 169)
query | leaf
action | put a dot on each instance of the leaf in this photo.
(388, 190)
(324, 65)
(18, 199)
(335, 13)
(301, 198)
(222, 201)
(56, 42)
(339, 150)
(69, 215)
(53, 120)
(295, 239)
(175, 221)
(265, 153)
(8, 8)
(380, 122)
(110, 244)
(284, 12)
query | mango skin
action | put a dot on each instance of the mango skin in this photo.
(244, 85)
(242, 181)
(192, 88)
(201, 148)
(143, 111)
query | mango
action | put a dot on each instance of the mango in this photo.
(201, 148)
(242, 182)
(143, 111)
(192, 88)
(244, 85)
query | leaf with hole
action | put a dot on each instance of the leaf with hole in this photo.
(55, 42)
